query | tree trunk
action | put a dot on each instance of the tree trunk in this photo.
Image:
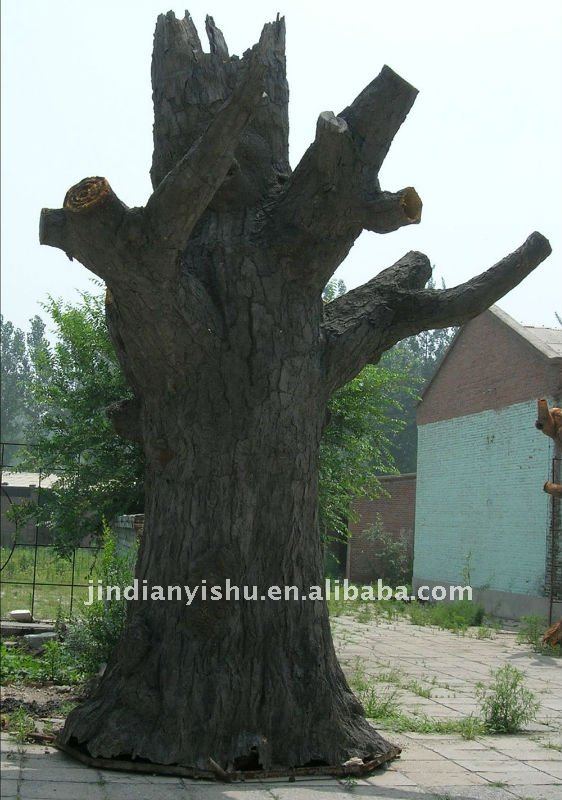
(214, 306)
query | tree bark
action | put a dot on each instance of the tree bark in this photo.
(214, 307)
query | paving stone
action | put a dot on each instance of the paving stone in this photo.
(48, 790)
(59, 774)
(553, 792)
(447, 775)
(8, 786)
(54, 760)
(215, 791)
(133, 790)
(550, 767)
(10, 767)
(390, 777)
(525, 776)
(470, 793)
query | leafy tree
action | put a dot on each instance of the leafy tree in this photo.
(71, 384)
(19, 352)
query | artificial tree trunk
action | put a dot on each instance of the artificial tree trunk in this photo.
(214, 306)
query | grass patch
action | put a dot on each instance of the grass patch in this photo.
(54, 599)
(457, 615)
(505, 704)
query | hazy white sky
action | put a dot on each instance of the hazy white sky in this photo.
(481, 145)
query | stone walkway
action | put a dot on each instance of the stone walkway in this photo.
(527, 766)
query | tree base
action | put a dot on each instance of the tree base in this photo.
(215, 772)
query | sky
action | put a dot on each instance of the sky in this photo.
(481, 145)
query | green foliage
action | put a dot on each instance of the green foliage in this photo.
(91, 637)
(392, 553)
(72, 383)
(457, 615)
(17, 370)
(506, 704)
(53, 665)
(20, 725)
(356, 445)
(531, 631)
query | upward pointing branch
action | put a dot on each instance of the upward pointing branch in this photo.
(362, 324)
(334, 193)
(184, 193)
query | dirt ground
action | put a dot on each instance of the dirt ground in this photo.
(39, 701)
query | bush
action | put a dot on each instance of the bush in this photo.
(506, 704)
(393, 553)
(91, 637)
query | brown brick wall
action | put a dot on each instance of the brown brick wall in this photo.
(489, 366)
(397, 512)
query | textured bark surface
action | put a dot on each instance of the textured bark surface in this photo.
(214, 306)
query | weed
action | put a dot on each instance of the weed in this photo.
(552, 746)
(506, 704)
(416, 688)
(531, 632)
(379, 705)
(350, 782)
(21, 726)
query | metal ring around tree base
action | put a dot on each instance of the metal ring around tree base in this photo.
(215, 772)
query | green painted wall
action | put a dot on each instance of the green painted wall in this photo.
(479, 491)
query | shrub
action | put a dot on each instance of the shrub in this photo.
(506, 704)
(91, 637)
(393, 553)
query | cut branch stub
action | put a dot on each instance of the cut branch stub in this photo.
(553, 489)
(87, 194)
(334, 193)
(89, 225)
(390, 211)
(549, 420)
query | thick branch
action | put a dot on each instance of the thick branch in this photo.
(185, 192)
(334, 192)
(440, 309)
(89, 227)
(365, 322)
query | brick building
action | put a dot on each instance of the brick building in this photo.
(395, 511)
(482, 464)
